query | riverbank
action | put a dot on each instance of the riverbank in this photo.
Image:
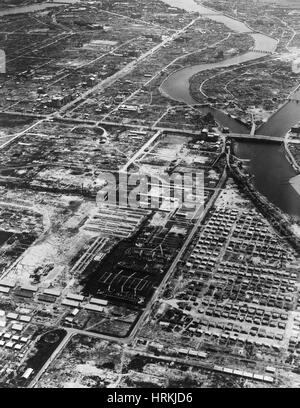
(35, 7)
(289, 155)
(267, 163)
(242, 89)
(279, 221)
(295, 182)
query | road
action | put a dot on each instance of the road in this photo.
(140, 151)
(33, 50)
(256, 137)
(57, 351)
(201, 216)
(84, 261)
(159, 73)
(289, 153)
(70, 333)
(126, 70)
(226, 71)
(195, 362)
(20, 134)
(165, 68)
(85, 64)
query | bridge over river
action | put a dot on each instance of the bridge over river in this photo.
(249, 137)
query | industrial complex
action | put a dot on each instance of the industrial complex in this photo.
(149, 194)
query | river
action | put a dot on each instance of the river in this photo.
(281, 122)
(267, 162)
(35, 7)
(4, 235)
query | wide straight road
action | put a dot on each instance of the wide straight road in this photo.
(140, 151)
(20, 134)
(126, 70)
(201, 215)
(70, 333)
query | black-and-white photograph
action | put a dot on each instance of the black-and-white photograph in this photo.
(149, 197)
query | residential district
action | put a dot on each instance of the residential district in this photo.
(183, 294)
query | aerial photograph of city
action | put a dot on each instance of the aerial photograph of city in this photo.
(149, 196)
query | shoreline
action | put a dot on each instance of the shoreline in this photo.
(295, 183)
(279, 220)
(289, 155)
(35, 7)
